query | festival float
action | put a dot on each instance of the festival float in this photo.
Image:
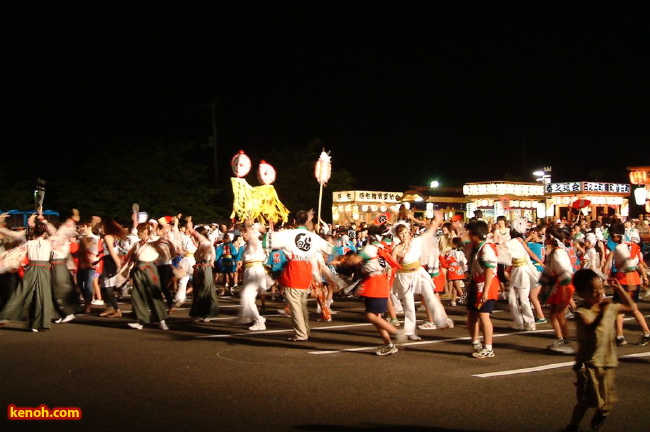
(257, 203)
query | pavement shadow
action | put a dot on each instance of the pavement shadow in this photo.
(634, 360)
(376, 427)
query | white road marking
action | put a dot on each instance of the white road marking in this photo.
(545, 367)
(424, 342)
(282, 331)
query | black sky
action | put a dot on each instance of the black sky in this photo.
(462, 91)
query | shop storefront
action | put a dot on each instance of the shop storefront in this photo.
(592, 199)
(362, 206)
(509, 199)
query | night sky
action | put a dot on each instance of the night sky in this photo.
(414, 91)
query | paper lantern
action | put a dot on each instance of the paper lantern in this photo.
(639, 177)
(265, 173)
(241, 164)
(640, 195)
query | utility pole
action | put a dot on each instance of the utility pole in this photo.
(213, 105)
(523, 150)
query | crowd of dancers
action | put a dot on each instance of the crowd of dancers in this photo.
(50, 274)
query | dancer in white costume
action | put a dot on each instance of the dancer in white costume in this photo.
(255, 277)
(523, 277)
(413, 279)
(188, 246)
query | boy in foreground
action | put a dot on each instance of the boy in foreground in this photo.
(596, 358)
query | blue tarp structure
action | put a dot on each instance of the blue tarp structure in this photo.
(18, 218)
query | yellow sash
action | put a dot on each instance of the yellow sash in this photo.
(409, 268)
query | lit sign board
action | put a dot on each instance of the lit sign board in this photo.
(366, 196)
(490, 189)
(585, 187)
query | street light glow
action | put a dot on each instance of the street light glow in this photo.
(539, 173)
(434, 184)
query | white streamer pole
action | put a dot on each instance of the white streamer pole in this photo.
(322, 172)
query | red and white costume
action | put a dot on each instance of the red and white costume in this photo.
(300, 246)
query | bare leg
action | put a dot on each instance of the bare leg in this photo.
(534, 299)
(472, 324)
(391, 309)
(488, 330)
(558, 319)
(384, 328)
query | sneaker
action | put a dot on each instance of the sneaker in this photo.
(427, 326)
(477, 346)
(68, 318)
(97, 302)
(422, 308)
(324, 320)
(569, 314)
(529, 326)
(395, 322)
(561, 346)
(598, 420)
(541, 321)
(620, 341)
(135, 325)
(283, 313)
(179, 303)
(387, 350)
(414, 338)
(259, 325)
(453, 303)
(35, 330)
(645, 340)
(163, 326)
(400, 337)
(483, 353)
(516, 326)
(449, 324)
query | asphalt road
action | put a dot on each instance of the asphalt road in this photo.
(219, 376)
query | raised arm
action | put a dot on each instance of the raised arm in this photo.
(435, 223)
